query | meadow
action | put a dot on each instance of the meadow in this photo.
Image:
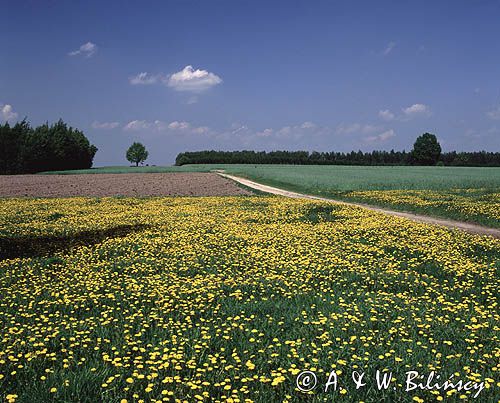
(228, 299)
(460, 193)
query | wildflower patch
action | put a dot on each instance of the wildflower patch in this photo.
(230, 298)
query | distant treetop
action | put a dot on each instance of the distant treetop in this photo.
(426, 151)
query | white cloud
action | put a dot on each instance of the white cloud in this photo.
(137, 125)
(236, 128)
(273, 137)
(366, 129)
(417, 110)
(410, 112)
(201, 130)
(386, 115)
(386, 135)
(161, 126)
(285, 133)
(296, 132)
(105, 125)
(307, 125)
(381, 137)
(7, 113)
(494, 114)
(187, 80)
(192, 80)
(175, 125)
(237, 132)
(265, 133)
(356, 128)
(388, 49)
(187, 127)
(145, 79)
(87, 49)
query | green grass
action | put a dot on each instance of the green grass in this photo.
(324, 179)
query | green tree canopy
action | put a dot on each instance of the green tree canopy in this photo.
(426, 150)
(381, 157)
(137, 153)
(24, 149)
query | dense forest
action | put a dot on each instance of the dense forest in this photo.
(24, 149)
(479, 158)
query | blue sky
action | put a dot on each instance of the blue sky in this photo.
(315, 75)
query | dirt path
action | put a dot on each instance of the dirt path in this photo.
(464, 226)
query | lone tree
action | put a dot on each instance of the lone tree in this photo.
(426, 150)
(137, 153)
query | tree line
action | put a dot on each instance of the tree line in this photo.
(55, 147)
(479, 158)
(426, 151)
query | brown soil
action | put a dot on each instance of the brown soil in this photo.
(147, 184)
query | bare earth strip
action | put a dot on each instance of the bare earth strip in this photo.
(147, 184)
(464, 226)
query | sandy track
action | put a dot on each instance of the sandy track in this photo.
(147, 184)
(464, 226)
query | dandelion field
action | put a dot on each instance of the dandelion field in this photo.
(229, 298)
(481, 206)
